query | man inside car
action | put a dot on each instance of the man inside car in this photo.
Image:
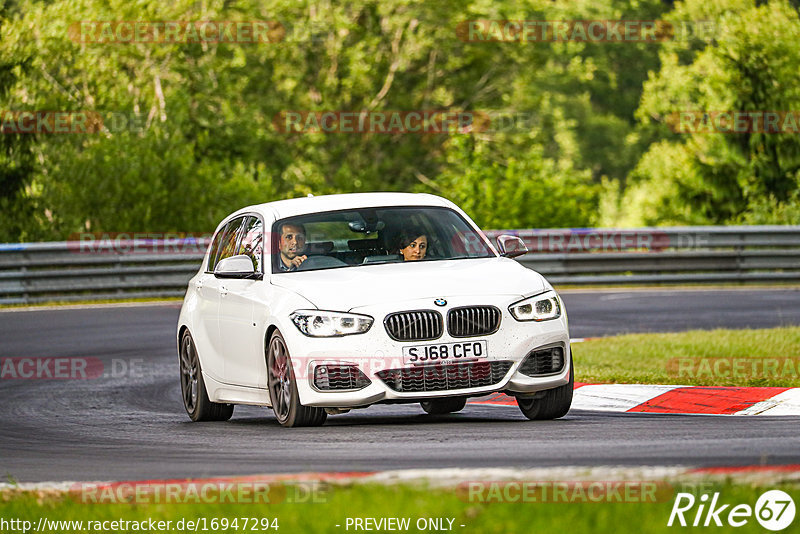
(292, 245)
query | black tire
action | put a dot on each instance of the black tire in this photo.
(283, 388)
(443, 406)
(193, 387)
(554, 404)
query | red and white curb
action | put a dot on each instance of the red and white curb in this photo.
(676, 399)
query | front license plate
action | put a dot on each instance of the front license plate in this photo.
(445, 352)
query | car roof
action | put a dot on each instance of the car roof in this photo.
(281, 209)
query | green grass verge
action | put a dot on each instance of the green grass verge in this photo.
(334, 506)
(769, 357)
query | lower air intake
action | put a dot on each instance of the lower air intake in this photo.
(445, 377)
(339, 377)
(543, 362)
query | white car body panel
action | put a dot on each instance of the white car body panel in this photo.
(392, 282)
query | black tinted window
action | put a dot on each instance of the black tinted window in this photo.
(376, 235)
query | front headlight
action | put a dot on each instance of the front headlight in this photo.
(538, 308)
(316, 323)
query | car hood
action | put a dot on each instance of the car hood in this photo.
(352, 287)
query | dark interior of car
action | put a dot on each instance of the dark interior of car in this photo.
(368, 237)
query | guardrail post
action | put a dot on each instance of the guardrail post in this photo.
(739, 249)
(24, 271)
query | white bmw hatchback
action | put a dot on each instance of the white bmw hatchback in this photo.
(315, 306)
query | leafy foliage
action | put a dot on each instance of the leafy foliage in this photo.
(749, 64)
(190, 136)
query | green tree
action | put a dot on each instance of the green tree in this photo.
(204, 142)
(749, 63)
(524, 191)
(16, 155)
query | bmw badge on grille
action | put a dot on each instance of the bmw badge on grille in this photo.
(440, 302)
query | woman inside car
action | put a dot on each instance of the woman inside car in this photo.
(413, 244)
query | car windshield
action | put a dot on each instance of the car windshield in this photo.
(369, 236)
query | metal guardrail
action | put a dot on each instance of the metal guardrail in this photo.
(674, 255)
(95, 270)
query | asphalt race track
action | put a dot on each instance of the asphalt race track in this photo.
(133, 426)
(605, 313)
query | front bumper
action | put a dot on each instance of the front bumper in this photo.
(375, 351)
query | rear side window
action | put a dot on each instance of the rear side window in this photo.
(227, 244)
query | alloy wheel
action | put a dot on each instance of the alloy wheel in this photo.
(189, 370)
(280, 378)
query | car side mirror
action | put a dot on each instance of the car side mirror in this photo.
(511, 246)
(240, 266)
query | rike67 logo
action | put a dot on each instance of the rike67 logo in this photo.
(774, 510)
